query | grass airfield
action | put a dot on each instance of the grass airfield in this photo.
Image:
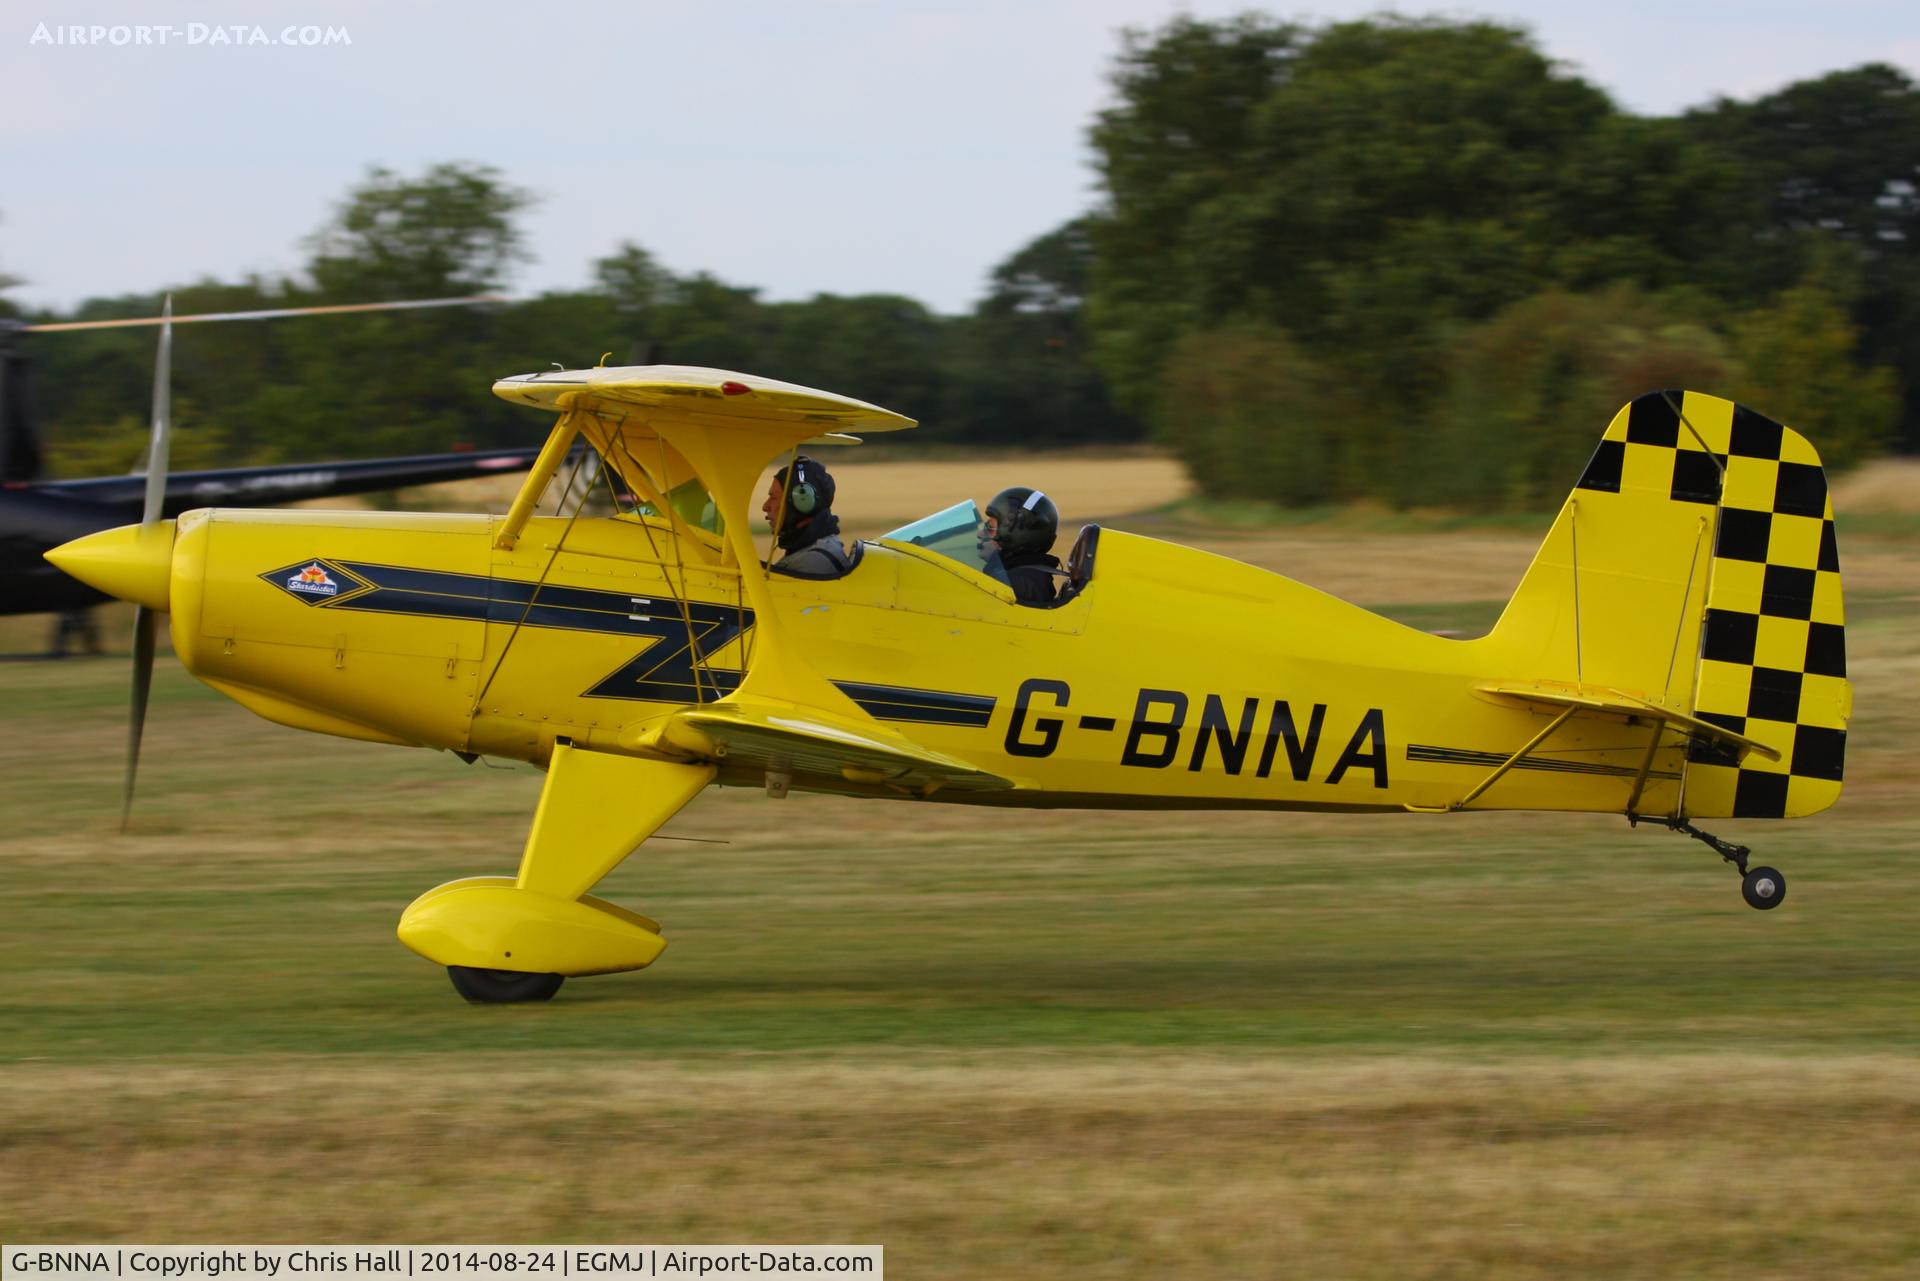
(1000, 1044)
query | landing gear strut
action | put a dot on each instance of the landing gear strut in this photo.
(1761, 887)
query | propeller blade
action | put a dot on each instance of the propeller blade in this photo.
(271, 313)
(162, 412)
(144, 628)
(145, 623)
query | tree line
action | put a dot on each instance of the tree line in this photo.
(1416, 261)
(1016, 369)
(1405, 259)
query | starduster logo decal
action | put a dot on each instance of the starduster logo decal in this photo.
(316, 582)
(313, 580)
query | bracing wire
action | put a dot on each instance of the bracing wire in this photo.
(1573, 532)
(619, 442)
(534, 596)
(697, 659)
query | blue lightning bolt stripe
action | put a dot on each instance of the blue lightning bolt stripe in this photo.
(673, 669)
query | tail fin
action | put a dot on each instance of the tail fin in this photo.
(1694, 565)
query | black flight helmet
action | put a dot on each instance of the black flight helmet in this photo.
(1027, 519)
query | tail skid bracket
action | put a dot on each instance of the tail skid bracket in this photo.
(1734, 854)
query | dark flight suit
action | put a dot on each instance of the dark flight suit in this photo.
(1028, 576)
(823, 558)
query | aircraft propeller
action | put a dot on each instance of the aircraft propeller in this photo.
(145, 620)
(146, 617)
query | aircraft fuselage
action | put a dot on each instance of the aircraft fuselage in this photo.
(1176, 679)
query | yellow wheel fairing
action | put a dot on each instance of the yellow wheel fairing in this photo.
(488, 923)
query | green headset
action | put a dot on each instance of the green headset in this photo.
(801, 495)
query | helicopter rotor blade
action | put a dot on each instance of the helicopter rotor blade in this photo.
(271, 313)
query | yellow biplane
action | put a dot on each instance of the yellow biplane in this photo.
(1675, 651)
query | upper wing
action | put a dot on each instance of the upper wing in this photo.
(717, 397)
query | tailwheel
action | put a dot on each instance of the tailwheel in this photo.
(1763, 887)
(494, 987)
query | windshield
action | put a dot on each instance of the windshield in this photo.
(694, 505)
(953, 532)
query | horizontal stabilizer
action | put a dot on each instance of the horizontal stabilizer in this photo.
(800, 741)
(1595, 700)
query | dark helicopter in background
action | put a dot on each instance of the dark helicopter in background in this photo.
(37, 514)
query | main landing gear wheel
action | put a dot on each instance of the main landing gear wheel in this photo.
(1763, 888)
(493, 987)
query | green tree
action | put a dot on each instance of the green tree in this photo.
(706, 321)
(86, 382)
(1798, 366)
(404, 381)
(122, 446)
(1021, 366)
(1530, 390)
(1366, 188)
(635, 281)
(9, 281)
(451, 231)
(1838, 155)
(881, 348)
(1310, 178)
(639, 289)
(1831, 168)
(1253, 416)
(1173, 156)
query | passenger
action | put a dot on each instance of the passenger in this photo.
(803, 520)
(1015, 538)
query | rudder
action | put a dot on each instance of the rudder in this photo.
(1695, 565)
(1773, 661)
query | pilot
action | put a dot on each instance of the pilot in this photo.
(801, 514)
(1015, 539)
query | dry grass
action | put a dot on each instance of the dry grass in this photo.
(969, 1164)
(1884, 485)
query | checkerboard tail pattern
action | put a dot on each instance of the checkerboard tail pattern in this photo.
(1773, 655)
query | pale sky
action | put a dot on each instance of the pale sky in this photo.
(798, 146)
